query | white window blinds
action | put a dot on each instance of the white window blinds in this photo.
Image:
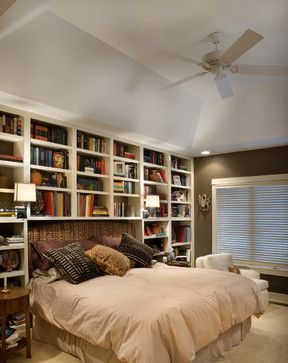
(252, 223)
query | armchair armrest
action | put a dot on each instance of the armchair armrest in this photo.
(252, 274)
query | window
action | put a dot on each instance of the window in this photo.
(250, 220)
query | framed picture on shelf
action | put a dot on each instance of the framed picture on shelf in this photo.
(119, 168)
(176, 180)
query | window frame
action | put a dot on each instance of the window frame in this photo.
(272, 179)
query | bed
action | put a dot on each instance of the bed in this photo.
(150, 315)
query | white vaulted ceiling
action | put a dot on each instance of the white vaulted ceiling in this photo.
(100, 60)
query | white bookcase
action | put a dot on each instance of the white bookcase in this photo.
(121, 205)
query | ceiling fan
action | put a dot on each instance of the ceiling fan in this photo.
(217, 62)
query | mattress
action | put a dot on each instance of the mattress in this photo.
(162, 314)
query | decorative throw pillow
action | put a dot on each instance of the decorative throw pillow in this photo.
(234, 269)
(39, 247)
(108, 241)
(135, 250)
(109, 260)
(72, 264)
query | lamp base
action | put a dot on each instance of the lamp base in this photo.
(5, 290)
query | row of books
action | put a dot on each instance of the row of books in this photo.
(155, 175)
(90, 164)
(120, 186)
(56, 204)
(181, 233)
(86, 207)
(51, 133)
(49, 157)
(90, 184)
(181, 210)
(91, 143)
(121, 150)
(153, 157)
(15, 158)
(120, 209)
(10, 124)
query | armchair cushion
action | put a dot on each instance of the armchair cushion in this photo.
(220, 261)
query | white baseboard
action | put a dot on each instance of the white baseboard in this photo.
(275, 297)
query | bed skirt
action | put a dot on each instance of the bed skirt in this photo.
(89, 353)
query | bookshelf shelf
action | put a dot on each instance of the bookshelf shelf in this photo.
(126, 195)
(54, 189)
(11, 220)
(179, 202)
(8, 191)
(180, 171)
(154, 166)
(10, 138)
(92, 192)
(115, 177)
(11, 164)
(48, 218)
(92, 175)
(13, 273)
(181, 244)
(48, 168)
(180, 186)
(48, 144)
(92, 153)
(181, 218)
(15, 246)
(161, 201)
(126, 160)
(156, 219)
(156, 236)
(148, 182)
(159, 254)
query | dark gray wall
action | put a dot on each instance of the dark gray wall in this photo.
(247, 163)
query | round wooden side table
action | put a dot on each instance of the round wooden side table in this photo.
(15, 301)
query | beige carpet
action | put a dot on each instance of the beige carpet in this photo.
(268, 343)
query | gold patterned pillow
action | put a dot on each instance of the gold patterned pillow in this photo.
(109, 260)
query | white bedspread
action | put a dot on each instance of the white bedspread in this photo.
(163, 314)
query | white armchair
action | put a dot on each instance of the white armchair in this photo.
(222, 261)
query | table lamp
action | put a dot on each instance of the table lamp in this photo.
(152, 202)
(24, 193)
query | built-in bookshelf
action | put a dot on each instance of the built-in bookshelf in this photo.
(81, 173)
(13, 230)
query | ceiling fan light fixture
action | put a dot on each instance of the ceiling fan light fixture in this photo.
(205, 152)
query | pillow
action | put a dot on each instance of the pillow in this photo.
(135, 250)
(109, 260)
(39, 247)
(234, 269)
(108, 241)
(72, 264)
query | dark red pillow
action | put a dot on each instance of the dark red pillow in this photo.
(108, 241)
(38, 247)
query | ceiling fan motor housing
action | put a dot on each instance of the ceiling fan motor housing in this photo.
(214, 59)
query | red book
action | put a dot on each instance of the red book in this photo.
(48, 203)
(163, 175)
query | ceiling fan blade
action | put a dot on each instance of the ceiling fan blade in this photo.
(185, 59)
(224, 87)
(181, 81)
(269, 70)
(241, 46)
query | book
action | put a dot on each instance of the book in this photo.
(46, 132)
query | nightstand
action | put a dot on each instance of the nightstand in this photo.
(16, 300)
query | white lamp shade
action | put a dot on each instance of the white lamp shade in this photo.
(24, 192)
(152, 201)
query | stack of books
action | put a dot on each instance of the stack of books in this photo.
(51, 133)
(7, 212)
(120, 186)
(15, 158)
(15, 239)
(10, 124)
(100, 212)
(56, 204)
(92, 143)
(15, 330)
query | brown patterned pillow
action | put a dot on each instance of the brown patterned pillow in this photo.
(109, 260)
(108, 241)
